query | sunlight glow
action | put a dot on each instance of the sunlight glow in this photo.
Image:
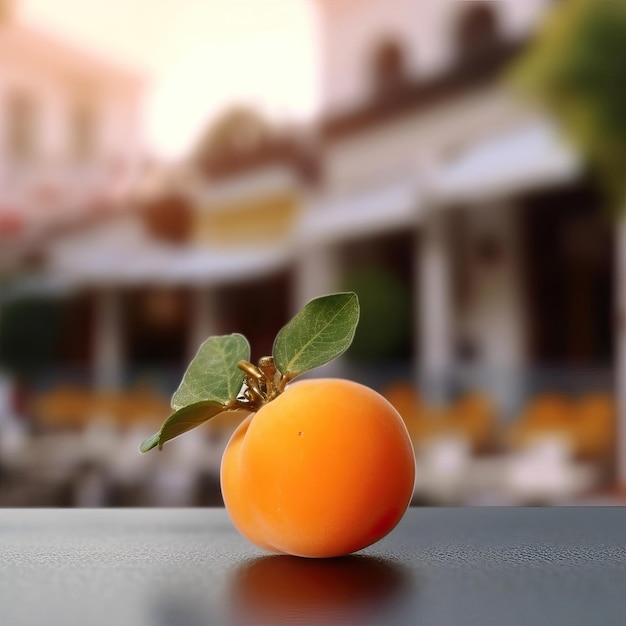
(199, 56)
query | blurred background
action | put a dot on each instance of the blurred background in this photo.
(172, 170)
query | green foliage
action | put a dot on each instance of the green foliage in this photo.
(220, 378)
(213, 373)
(577, 68)
(384, 330)
(320, 332)
(30, 330)
(181, 421)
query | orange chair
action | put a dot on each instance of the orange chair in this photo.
(474, 416)
(138, 406)
(406, 401)
(63, 407)
(594, 427)
(548, 415)
(74, 407)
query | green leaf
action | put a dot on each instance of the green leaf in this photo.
(181, 421)
(319, 333)
(150, 442)
(213, 373)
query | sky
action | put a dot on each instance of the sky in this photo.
(199, 56)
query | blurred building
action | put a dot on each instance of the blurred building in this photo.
(71, 148)
(70, 140)
(425, 184)
(475, 238)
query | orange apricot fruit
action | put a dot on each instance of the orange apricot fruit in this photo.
(325, 469)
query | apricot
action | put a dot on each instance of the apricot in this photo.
(325, 469)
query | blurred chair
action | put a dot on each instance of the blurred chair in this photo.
(174, 477)
(549, 416)
(447, 440)
(90, 486)
(474, 418)
(406, 401)
(594, 427)
(63, 407)
(422, 421)
(442, 451)
(75, 408)
(553, 444)
(14, 440)
(443, 464)
(139, 406)
(469, 419)
(544, 473)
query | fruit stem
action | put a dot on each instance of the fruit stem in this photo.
(261, 384)
(255, 391)
(285, 379)
(266, 365)
(251, 370)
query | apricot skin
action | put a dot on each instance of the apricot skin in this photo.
(324, 470)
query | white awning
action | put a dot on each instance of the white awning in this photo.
(369, 212)
(122, 253)
(529, 157)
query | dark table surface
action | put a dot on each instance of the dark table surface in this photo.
(179, 567)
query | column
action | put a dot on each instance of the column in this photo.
(1, 313)
(620, 351)
(435, 314)
(108, 340)
(204, 318)
(317, 273)
(494, 311)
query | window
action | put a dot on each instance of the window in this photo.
(388, 69)
(477, 32)
(21, 139)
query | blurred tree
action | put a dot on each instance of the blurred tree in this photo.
(238, 130)
(384, 330)
(30, 334)
(577, 68)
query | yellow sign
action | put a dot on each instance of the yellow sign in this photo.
(252, 220)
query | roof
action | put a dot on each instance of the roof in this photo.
(242, 141)
(523, 159)
(418, 95)
(86, 259)
(527, 157)
(286, 151)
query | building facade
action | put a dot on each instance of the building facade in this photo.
(71, 145)
(470, 230)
